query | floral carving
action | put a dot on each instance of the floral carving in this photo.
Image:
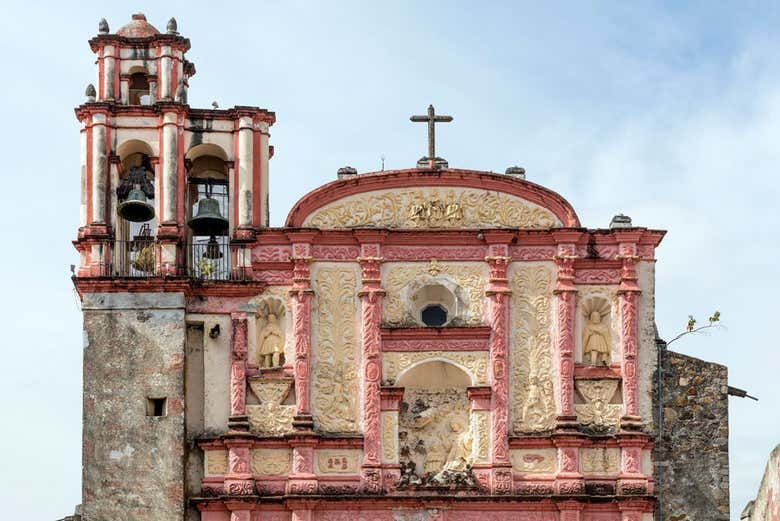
(389, 437)
(271, 462)
(327, 252)
(271, 417)
(474, 362)
(533, 461)
(600, 461)
(480, 425)
(468, 276)
(412, 253)
(432, 207)
(598, 413)
(533, 405)
(216, 462)
(335, 371)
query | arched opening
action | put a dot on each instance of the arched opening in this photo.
(433, 305)
(435, 439)
(136, 223)
(208, 205)
(138, 83)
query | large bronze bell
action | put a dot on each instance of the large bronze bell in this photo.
(208, 220)
(136, 208)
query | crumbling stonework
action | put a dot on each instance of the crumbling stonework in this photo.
(691, 453)
(766, 506)
(133, 460)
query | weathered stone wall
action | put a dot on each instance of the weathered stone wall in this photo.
(766, 506)
(691, 454)
(133, 462)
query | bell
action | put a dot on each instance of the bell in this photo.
(135, 208)
(212, 249)
(208, 220)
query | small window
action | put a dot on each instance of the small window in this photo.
(156, 406)
(139, 89)
(434, 315)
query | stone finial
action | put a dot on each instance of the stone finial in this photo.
(172, 27)
(181, 93)
(90, 93)
(620, 221)
(516, 171)
(345, 172)
(103, 26)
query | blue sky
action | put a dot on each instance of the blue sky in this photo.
(667, 112)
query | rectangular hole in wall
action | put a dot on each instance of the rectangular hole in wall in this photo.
(156, 406)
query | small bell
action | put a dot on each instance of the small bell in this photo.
(212, 249)
(136, 208)
(208, 220)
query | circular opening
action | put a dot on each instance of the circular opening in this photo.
(434, 315)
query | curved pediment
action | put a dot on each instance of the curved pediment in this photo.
(432, 199)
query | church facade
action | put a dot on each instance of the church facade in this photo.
(422, 344)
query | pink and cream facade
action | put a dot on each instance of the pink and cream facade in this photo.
(412, 345)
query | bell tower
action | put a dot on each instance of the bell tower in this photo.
(173, 198)
(158, 174)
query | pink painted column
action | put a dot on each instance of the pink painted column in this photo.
(239, 510)
(238, 481)
(498, 370)
(631, 481)
(570, 510)
(238, 420)
(566, 307)
(371, 296)
(628, 296)
(301, 309)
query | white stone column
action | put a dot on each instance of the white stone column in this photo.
(124, 90)
(108, 73)
(264, 173)
(245, 167)
(164, 74)
(99, 168)
(83, 206)
(169, 160)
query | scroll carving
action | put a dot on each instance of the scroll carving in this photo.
(468, 276)
(335, 369)
(474, 362)
(389, 437)
(598, 413)
(480, 425)
(432, 207)
(533, 405)
(271, 462)
(600, 461)
(216, 462)
(271, 416)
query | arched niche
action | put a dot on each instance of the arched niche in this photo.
(435, 437)
(138, 86)
(133, 154)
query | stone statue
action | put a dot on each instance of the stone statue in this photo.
(461, 454)
(595, 340)
(271, 345)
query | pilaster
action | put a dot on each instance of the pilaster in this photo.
(390, 401)
(498, 294)
(628, 297)
(566, 307)
(371, 296)
(239, 347)
(238, 481)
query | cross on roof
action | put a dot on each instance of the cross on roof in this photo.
(431, 118)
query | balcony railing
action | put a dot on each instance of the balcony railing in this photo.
(203, 259)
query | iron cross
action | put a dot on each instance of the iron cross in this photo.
(431, 118)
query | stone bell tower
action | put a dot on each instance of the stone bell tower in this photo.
(171, 196)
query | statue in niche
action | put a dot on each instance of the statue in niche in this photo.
(596, 335)
(270, 340)
(461, 454)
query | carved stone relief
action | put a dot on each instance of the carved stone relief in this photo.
(216, 462)
(598, 413)
(533, 461)
(271, 462)
(432, 207)
(271, 416)
(533, 397)
(480, 426)
(600, 461)
(598, 333)
(334, 378)
(270, 335)
(338, 461)
(436, 440)
(389, 421)
(473, 362)
(465, 279)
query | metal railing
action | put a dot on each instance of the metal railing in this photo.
(209, 259)
(137, 258)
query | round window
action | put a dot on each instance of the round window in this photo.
(434, 315)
